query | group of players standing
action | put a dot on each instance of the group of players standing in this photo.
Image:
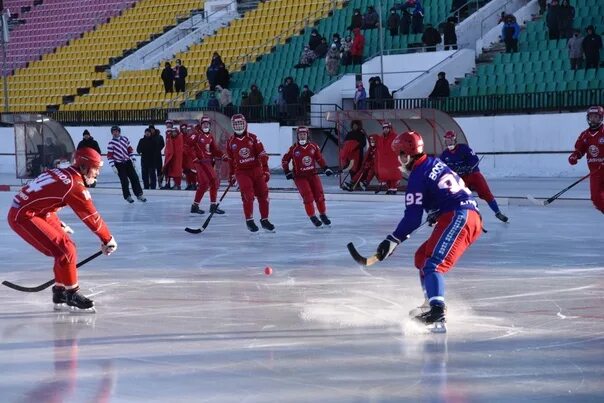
(433, 186)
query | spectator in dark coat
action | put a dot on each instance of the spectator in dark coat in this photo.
(431, 38)
(315, 40)
(394, 21)
(146, 149)
(567, 16)
(417, 16)
(381, 95)
(575, 50)
(212, 71)
(405, 26)
(371, 19)
(167, 76)
(321, 50)
(356, 20)
(441, 88)
(305, 97)
(358, 47)
(213, 103)
(223, 78)
(291, 95)
(450, 37)
(159, 144)
(89, 141)
(256, 98)
(180, 76)
(592, 43)
(336, 40)
(510, 33)
(552, 20)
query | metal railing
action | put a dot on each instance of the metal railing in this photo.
(194, 87)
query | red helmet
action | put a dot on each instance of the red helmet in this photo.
(595, 115)
(205, 124)
(169, 122)
(302, 135)
(408, 143)
(88, 158)
(387, 124)
(450, 139)
(239, 124)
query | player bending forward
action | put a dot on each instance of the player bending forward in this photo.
(463, 160)
(205, 150)
(433, 186)
(591, 142)
(305, 155)
(248, 165)
(33, 217)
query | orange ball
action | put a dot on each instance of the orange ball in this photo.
(268, 270)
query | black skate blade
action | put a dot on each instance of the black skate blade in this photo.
(194, 230)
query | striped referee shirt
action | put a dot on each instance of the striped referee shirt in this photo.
(119, 150)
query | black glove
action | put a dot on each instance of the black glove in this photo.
(328, 172)
(289, 176)
(432, 217)
(386, 247)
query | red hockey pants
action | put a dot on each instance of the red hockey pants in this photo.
(311, 190)
(252, 184)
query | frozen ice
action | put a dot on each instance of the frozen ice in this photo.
(184, 317)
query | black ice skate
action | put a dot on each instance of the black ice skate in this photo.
(58, 298)
(266, 224)
(423, 308)
(390, 192)
(434, 319)
(325, 219)
(363, 186)
(501, 216)
(129, 199)
(251, 225)
(196, 210)
(315, 221)
(347, 186)
(78, 303)
(142, 198)
(215, 209)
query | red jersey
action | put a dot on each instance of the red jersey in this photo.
(304, 158)
(205, 148)
(246, 152)
(57, 188)
(592, 144)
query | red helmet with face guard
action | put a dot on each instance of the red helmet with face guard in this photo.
(302, 135)
(450, 139)
(595, 115)
(239, 124)
(206, 124)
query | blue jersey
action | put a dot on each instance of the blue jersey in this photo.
(432, 186)
(462, 159)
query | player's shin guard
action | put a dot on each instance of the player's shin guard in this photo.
(494, 206)
(435, 286)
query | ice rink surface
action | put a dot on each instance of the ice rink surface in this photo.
(183, 318)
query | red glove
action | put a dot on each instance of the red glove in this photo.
(267, 176)
(573, 158)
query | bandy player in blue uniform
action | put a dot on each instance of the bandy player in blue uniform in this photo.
(463, 160)
(433, 187)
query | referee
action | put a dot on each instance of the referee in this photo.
(121, 158)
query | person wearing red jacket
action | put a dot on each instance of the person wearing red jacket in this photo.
(189, 134)
(205, 150)
(387, 164)
(591, 143)
(33, 216)
(367, 172)
(351, 154)
(248, 165)
(305, 155)
(173, 161)
(358, 46)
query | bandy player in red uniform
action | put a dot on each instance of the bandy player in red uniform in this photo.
(305, 155)
(591, 143)
(248, 164)
(205, 150)
(33, 217)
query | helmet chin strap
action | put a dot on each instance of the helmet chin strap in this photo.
(302, 142)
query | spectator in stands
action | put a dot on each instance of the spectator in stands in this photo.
(510, 33)
(575, 50)
(212, 71)
(356, 20)
(145, 149)
(417, 16)
(332, 61)
(321, 50)
(167, 76)
(542, 6)
(394, 21)
(291, 95)
(567, 16)
(245, 107)
(431, 38)
(89, 141)
(279, 101)
(306, 58)
(337, 40)
(450, 37)
(315, 40)
(305, 98)
(441, 88)
(256, 98)
(371, 19)
(552, 20)
(360, 97)
(346, 57)
(358, 47)
(180, 76)
(223, 78)
(158, 146)
(381, 95)
(592, 43)
(225, 99)
(405, 26)
(213, 103)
